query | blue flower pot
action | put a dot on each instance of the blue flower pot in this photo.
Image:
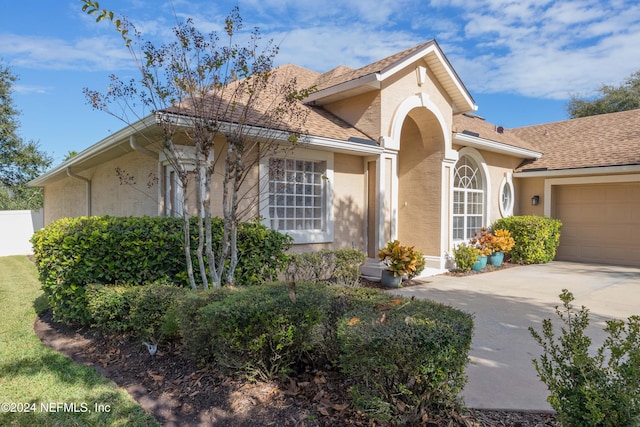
(481, 263)
(496, 258)
(389, 280)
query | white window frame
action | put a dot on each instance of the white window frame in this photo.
(506, 210)
(171, 192)
(302, 236)
(482, 176)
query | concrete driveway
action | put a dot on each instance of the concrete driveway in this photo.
(506, 302)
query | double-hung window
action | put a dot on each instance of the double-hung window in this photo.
(468, 199)
(296, 195)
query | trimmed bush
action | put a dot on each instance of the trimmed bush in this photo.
(150, 307)
(142, 310)
(407, 357)
(263, 331)
(73, 252)
(194, 330)
(339, 266)
(536, 238)
(109, 307)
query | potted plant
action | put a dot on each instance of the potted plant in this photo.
(502, 242)
(400, 261)
(465, 257)
(483, 241)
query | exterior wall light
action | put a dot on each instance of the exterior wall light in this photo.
(535, 200)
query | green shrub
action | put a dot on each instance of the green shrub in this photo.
(339, 266)
(264, 331)
(407, 357)
(536, 238)
(193, 329)
(142, 310)
(585, 389)
(465, 256)
(109, 307)
(149, 309)
(74, 252)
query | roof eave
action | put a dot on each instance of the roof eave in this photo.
(352, 87)
(494, 146)
(594, 170)
(120, 137)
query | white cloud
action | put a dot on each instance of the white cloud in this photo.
(539, 48)
(90, 54)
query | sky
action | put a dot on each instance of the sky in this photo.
(520, 60)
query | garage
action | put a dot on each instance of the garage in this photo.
(601, 222)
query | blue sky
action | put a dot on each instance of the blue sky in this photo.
(519, 59)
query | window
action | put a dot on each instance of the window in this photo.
(468, 199)
(297, 197)
(506, 196)
(173, 194)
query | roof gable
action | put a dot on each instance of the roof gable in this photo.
(369, 77)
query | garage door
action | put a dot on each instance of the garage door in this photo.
(601, 223)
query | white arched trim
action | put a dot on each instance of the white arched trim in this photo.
(419, 100)
(506, 198)
(484, 170)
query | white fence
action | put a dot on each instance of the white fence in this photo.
(16, 228)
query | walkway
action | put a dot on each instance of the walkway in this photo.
(506, 302)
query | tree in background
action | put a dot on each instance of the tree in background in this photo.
(20, 161)
(224, 98)
(612, 99)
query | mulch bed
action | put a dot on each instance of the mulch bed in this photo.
(177, 392)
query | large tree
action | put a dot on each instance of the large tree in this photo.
(612, 99)
(20, 161)
(224, 98)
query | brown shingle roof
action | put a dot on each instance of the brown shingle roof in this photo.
(372, 68)
(477, 126)
(319, 122)
(596, 141)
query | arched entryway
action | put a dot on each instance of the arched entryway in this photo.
(420, 182)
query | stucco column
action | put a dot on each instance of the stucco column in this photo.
(446, 231)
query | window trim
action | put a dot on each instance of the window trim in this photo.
(483, 172)
(302, 236)
(507, 182)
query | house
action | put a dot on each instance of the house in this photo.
(394, 150)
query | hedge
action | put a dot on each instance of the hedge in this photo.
(72, 253)
(407, 357)
(339, 266)
(537, 238)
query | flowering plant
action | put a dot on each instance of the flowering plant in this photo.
(402, 259)
(483, 241)
(502, 241)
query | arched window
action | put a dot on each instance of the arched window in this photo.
(468, 199)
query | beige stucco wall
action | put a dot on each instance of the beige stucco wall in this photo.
(134, 193)
(65, 198)
(348, 201)
(499, 167)
(361, 111)
(525, 189)
(405, 84)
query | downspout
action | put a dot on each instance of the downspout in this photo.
(88, 182)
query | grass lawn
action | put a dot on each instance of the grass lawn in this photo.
(41, 386)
